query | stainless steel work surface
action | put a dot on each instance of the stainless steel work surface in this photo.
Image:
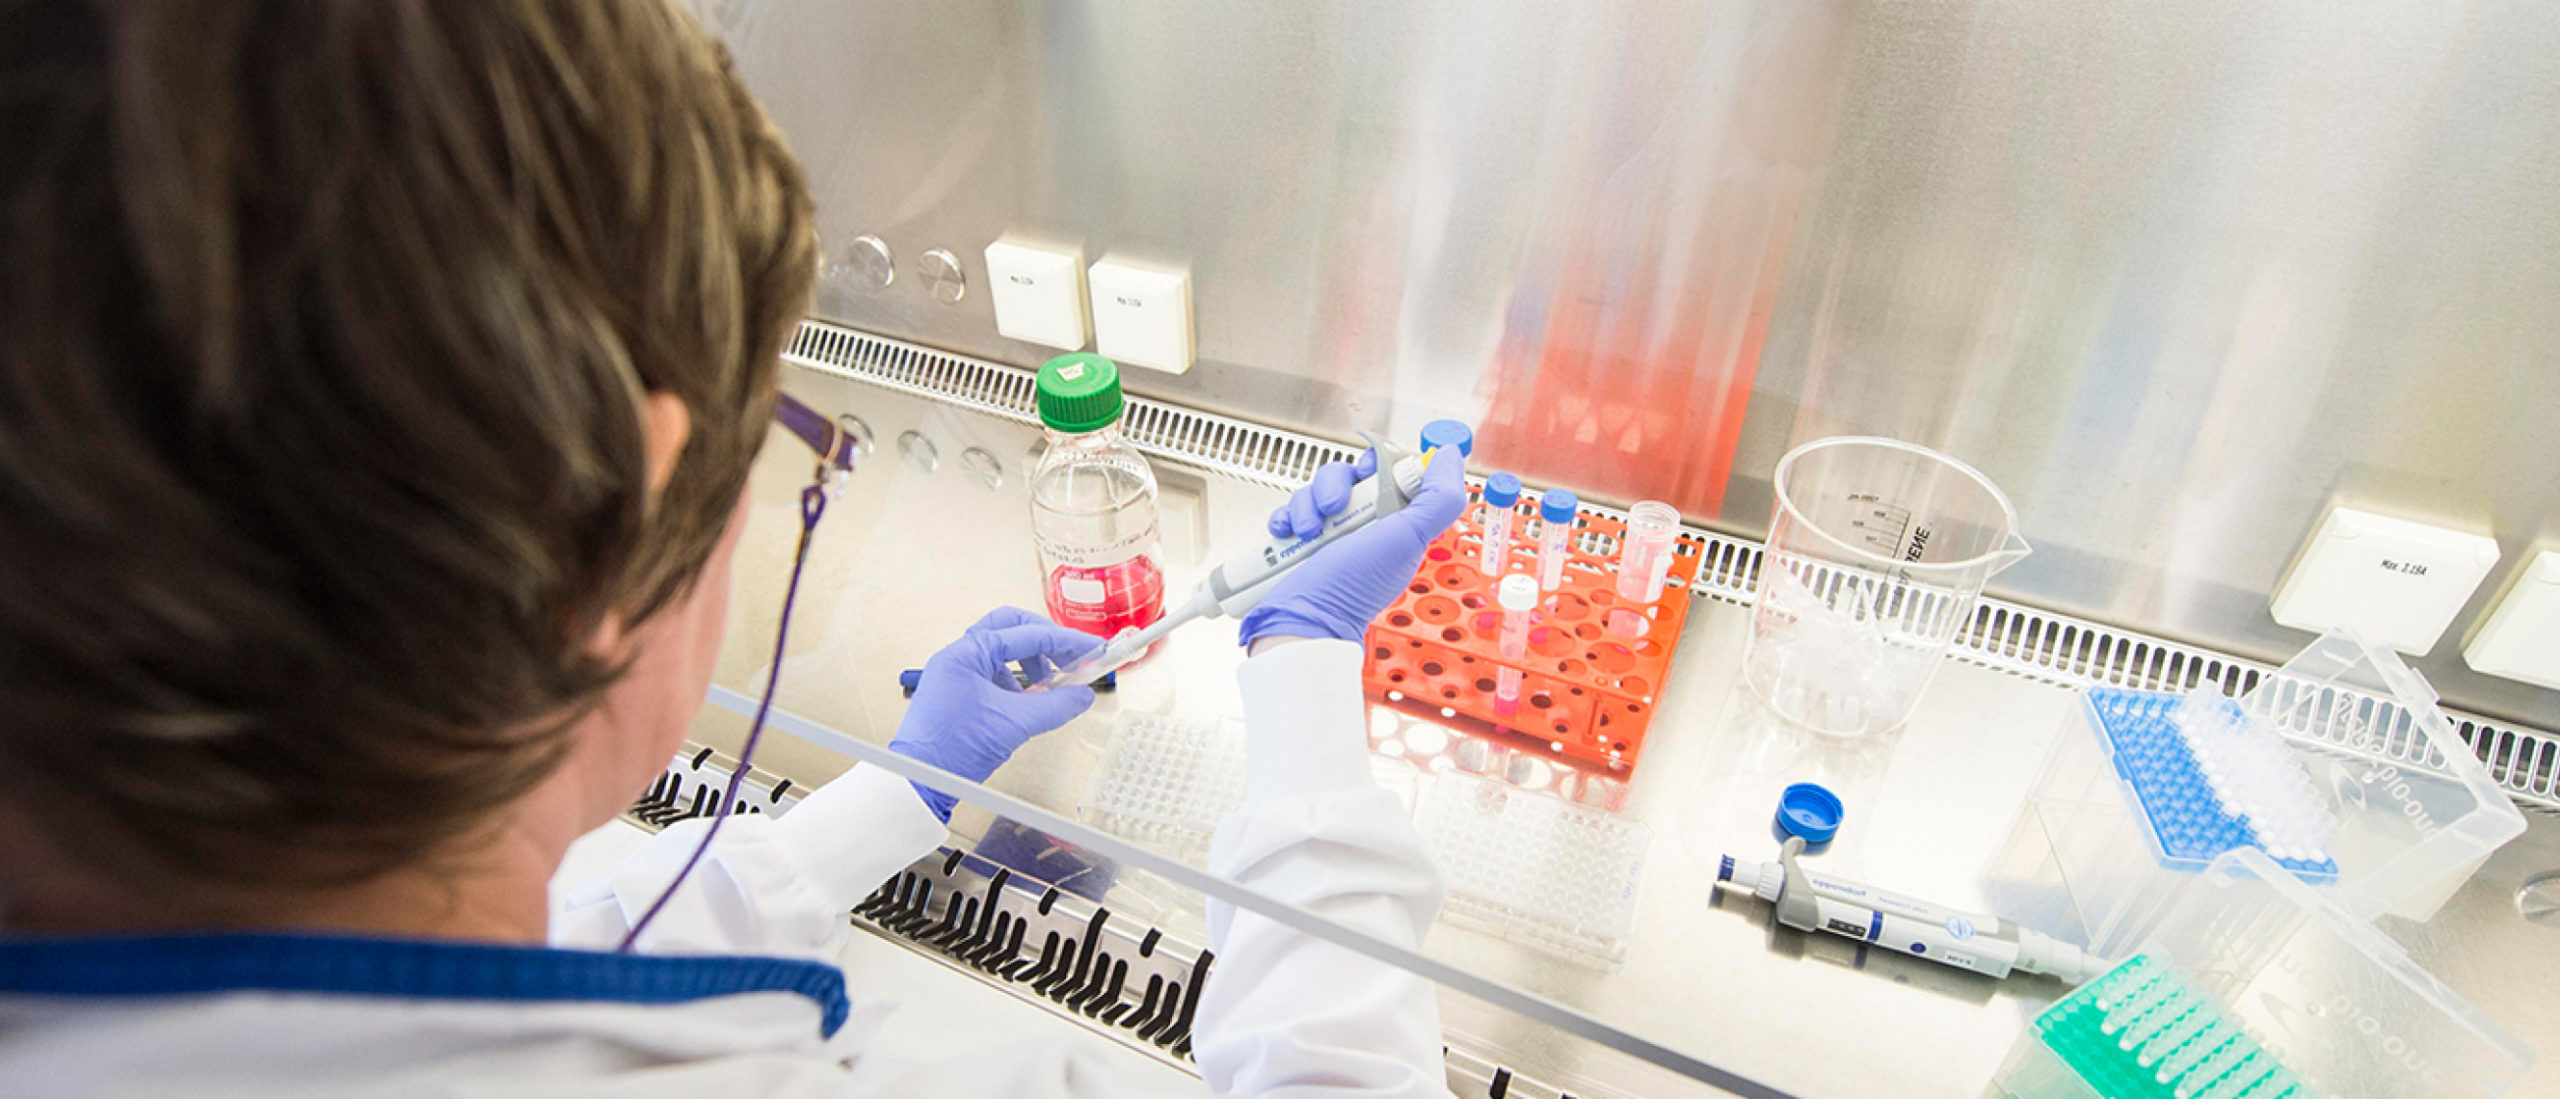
(934, 530)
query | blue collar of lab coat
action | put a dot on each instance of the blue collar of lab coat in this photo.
(184, 965)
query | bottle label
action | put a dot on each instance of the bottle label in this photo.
(1107, 588)
(1104, 601)
(1128, 545)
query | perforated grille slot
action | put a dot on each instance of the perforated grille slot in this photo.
(1212, 442)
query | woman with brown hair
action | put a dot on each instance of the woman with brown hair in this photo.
(378, 385)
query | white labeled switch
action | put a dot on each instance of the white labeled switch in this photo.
(1038, 294)
(1142, 315)
(2521, 639)
(2394, 581)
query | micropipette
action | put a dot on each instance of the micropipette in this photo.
(1234, 587)
(1982, 944)
(1988, 945)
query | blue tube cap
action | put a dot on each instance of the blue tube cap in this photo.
(1559, 506)
(1502, 490)
(1808, 810)
(1446, 433)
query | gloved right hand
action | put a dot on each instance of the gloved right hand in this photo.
(970, 713)
(1353, 580)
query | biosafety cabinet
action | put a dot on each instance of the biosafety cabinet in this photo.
(2183, 280)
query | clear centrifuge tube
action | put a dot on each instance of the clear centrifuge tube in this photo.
(1501, 502)
(1518, 595)
(1644, 562)
(1557, 509)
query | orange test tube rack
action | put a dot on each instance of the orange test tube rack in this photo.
(1587, 692)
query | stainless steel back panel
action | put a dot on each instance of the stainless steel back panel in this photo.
(2175, 274)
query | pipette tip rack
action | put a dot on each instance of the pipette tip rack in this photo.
(1595, 664)
(2197, 800)
(2142, 1032)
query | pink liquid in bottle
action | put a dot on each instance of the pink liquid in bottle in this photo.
(1104, 601)
(1093, 505)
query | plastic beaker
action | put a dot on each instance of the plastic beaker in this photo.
(1878, 550)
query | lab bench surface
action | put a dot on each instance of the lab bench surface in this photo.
(935, 529)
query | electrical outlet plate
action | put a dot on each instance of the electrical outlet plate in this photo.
(1038, 294)
(2521, 638)
(2396, 582)
(1142, 315)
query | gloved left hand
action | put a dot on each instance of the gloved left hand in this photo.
(1335, 593)
(969, 712)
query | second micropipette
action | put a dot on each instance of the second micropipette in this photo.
(1983, 944)
(1236, 586)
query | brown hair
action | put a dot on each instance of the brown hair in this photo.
(324, 332)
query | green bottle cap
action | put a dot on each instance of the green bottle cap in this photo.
(1079, 392)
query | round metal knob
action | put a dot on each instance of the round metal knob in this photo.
(983, 466)
(2538, 901)
(942, 272)
(920, 453)
(859, 432)
(870, 262)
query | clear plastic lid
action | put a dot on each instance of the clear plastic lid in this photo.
(2334, 998)
(2415, 811)
(2339, 767)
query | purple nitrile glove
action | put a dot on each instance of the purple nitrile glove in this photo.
(1336, 592)
(970, 713)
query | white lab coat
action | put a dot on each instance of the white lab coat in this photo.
(1283, 1014)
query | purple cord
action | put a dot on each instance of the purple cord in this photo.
(813, 503)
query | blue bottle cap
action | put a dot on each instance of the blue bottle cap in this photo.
(1808, 810)
(1502, 490)
(1558, 505)
(1440, 433)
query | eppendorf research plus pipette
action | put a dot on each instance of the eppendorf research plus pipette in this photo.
(1984, 944)
(1234, 587)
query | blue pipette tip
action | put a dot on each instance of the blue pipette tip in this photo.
(1502, 490)
(1449, 433)
(1559, 505)
(1808, 810)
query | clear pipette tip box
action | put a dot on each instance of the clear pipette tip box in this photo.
(2142, 1031)
(2340, 766)
(2255, 985)
(2150, 739)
